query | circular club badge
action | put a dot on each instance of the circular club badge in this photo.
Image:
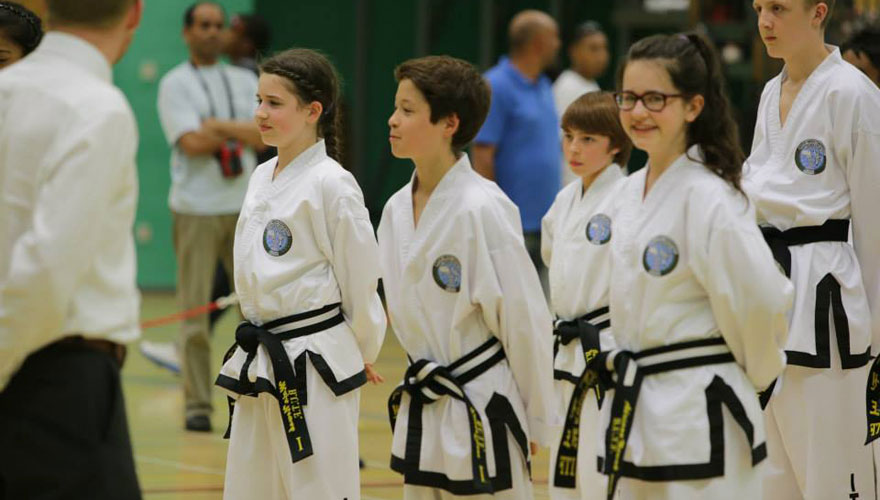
(810, 157)
(660, 257)
(447, 273)
(277, 238)
(599, 229)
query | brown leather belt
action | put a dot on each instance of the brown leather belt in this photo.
(114, 350)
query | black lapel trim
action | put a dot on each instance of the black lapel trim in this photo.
(502, 419)
(717, 393)
(830, 303)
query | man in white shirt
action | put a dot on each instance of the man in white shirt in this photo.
(206, 109)
(588, 53)
(68, 299)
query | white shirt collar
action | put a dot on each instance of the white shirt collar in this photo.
(75, 50)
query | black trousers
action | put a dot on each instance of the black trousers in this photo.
(63, 429)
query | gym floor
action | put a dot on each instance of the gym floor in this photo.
(175, 464)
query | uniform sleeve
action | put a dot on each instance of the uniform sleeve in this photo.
(50, 258)
(749, 295)
(864, 188)
(493, 128)
(356, 266)
(517, 314)
(177, 112)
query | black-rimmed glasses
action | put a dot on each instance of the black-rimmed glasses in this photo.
(653, 101)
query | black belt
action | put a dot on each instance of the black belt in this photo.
(628, 370)
(427, 381)
(290, 384)
(587, 329)
(779, 241)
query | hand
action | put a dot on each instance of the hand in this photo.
(214, 127)
(372, 375)
(533, 447)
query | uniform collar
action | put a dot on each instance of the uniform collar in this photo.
(74, 49)
(313, 155)
(608, 176)
(832, 60)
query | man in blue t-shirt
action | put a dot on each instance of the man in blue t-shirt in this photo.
(518, 146)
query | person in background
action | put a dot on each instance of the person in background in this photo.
(588, 53)
(246, 40)
(206, 109)
(862, 50)
(20, 32)
(519, 145)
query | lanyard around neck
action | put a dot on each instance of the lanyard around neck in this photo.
(226, 86)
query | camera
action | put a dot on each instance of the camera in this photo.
(229, 157)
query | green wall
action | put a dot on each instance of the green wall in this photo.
(365, 53)
(157, 44)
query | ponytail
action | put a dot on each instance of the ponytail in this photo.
(715, 130)
(311, 77)
(694, 68)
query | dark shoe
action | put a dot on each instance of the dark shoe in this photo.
(198, 423)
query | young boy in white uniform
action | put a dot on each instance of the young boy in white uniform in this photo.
(813, 173)
(464, 301)
(575, 245)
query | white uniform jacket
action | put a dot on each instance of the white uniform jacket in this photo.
(304, 241)
(820, 166)
(460, 279)
(575, 237)
(576, 248)
(690, 266)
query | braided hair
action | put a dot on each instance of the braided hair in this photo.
(312, 78)
(21, 26)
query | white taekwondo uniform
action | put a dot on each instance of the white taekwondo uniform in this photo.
(303, 245)
(466, 304)
(575, 246)
(699, 307)
(821, 168)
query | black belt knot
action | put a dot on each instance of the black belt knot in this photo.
(427, 381)
(779, 241)
(290, 379)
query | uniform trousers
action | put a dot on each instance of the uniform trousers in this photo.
(816, 427)
(259, 465)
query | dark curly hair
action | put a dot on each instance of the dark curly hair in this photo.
(694, 68)
(21, 26)
(312, 77)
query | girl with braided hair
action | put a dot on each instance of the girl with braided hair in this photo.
(20, 32)
(306, 272)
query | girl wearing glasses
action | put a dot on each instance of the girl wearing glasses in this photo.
(697, 303)
(575, 246)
